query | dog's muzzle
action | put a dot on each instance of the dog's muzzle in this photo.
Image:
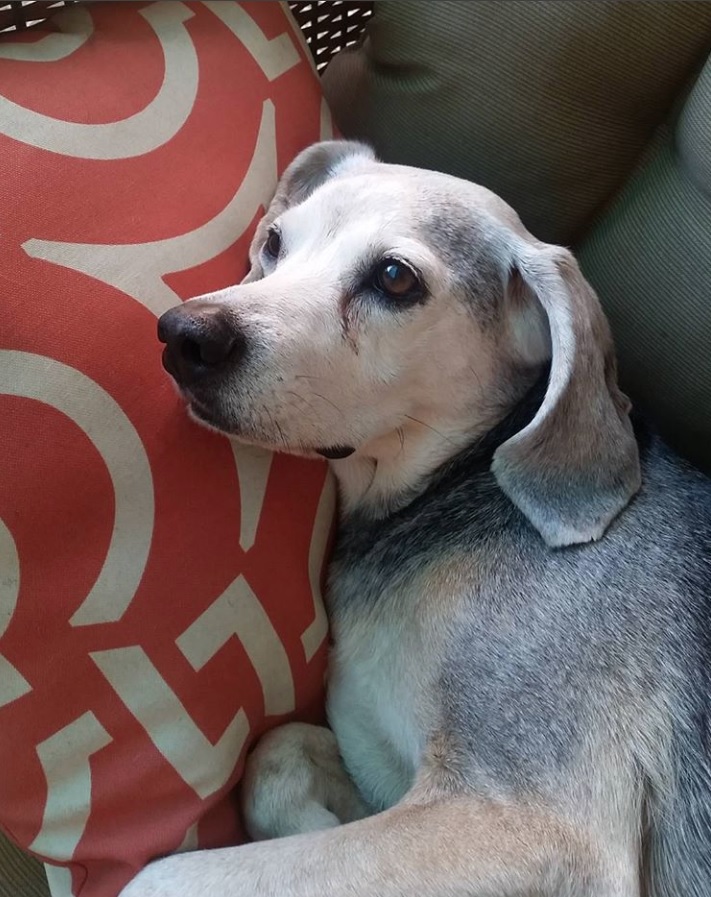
(201, 340)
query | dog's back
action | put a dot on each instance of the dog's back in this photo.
(676, 511)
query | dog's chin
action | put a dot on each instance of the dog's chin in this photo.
(208, 419)
(202, 416)
(212, 420)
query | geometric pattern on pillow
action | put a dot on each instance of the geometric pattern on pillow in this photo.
(160, 598)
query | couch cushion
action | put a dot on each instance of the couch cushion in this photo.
(159, 587)
(547, 103)
(21, 875)
(649, 257)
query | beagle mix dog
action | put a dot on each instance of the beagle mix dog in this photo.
(520, 684)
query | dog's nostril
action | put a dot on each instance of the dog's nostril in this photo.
(192, 352)
(199, 339)
(215, 351)
(206, 351)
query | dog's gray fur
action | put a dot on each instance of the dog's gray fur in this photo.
(535, 624)
(561, 660)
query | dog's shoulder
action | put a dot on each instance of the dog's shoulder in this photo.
(577, 635)
(661, 539)
(667, 526)
(462, 512)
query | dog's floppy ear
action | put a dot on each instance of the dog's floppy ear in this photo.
(576, 464)
(313, 166)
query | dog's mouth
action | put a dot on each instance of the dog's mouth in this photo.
(335, 452)
(207, 417)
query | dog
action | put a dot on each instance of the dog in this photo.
(519, 693)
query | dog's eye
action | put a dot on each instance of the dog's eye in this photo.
(397, 280)
(273, 244)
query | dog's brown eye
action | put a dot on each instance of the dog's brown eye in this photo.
(273, 244)
(396, 279)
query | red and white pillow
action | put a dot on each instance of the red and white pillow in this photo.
(159, 588)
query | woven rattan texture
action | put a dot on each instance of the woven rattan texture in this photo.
(331, 25)
(328, 25)
(18, 16)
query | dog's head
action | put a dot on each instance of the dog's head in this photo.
(392, 315)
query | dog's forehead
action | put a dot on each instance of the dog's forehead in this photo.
(440, 211)
(361, 200)
(393, 190)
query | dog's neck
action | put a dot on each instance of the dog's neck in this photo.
(393, 469)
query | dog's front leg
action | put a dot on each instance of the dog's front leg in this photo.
(295, 782)
(440, 848)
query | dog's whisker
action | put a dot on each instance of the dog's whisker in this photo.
(475, 374)
(281, 434)
(277, 427)
(325, 399)
(318, 395)
(303, 399)
(430, 427)
(401, 434)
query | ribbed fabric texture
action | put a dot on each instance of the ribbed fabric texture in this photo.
(20, 874)
(547, 102)
(649, 257)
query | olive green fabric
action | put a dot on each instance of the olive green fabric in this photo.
(547, 102)
(649, 257)
(20, 874)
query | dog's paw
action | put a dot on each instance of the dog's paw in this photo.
(295, 783)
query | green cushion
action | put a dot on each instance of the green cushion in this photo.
(547, 102)
(649, 257)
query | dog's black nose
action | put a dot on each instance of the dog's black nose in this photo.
(199, 338)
